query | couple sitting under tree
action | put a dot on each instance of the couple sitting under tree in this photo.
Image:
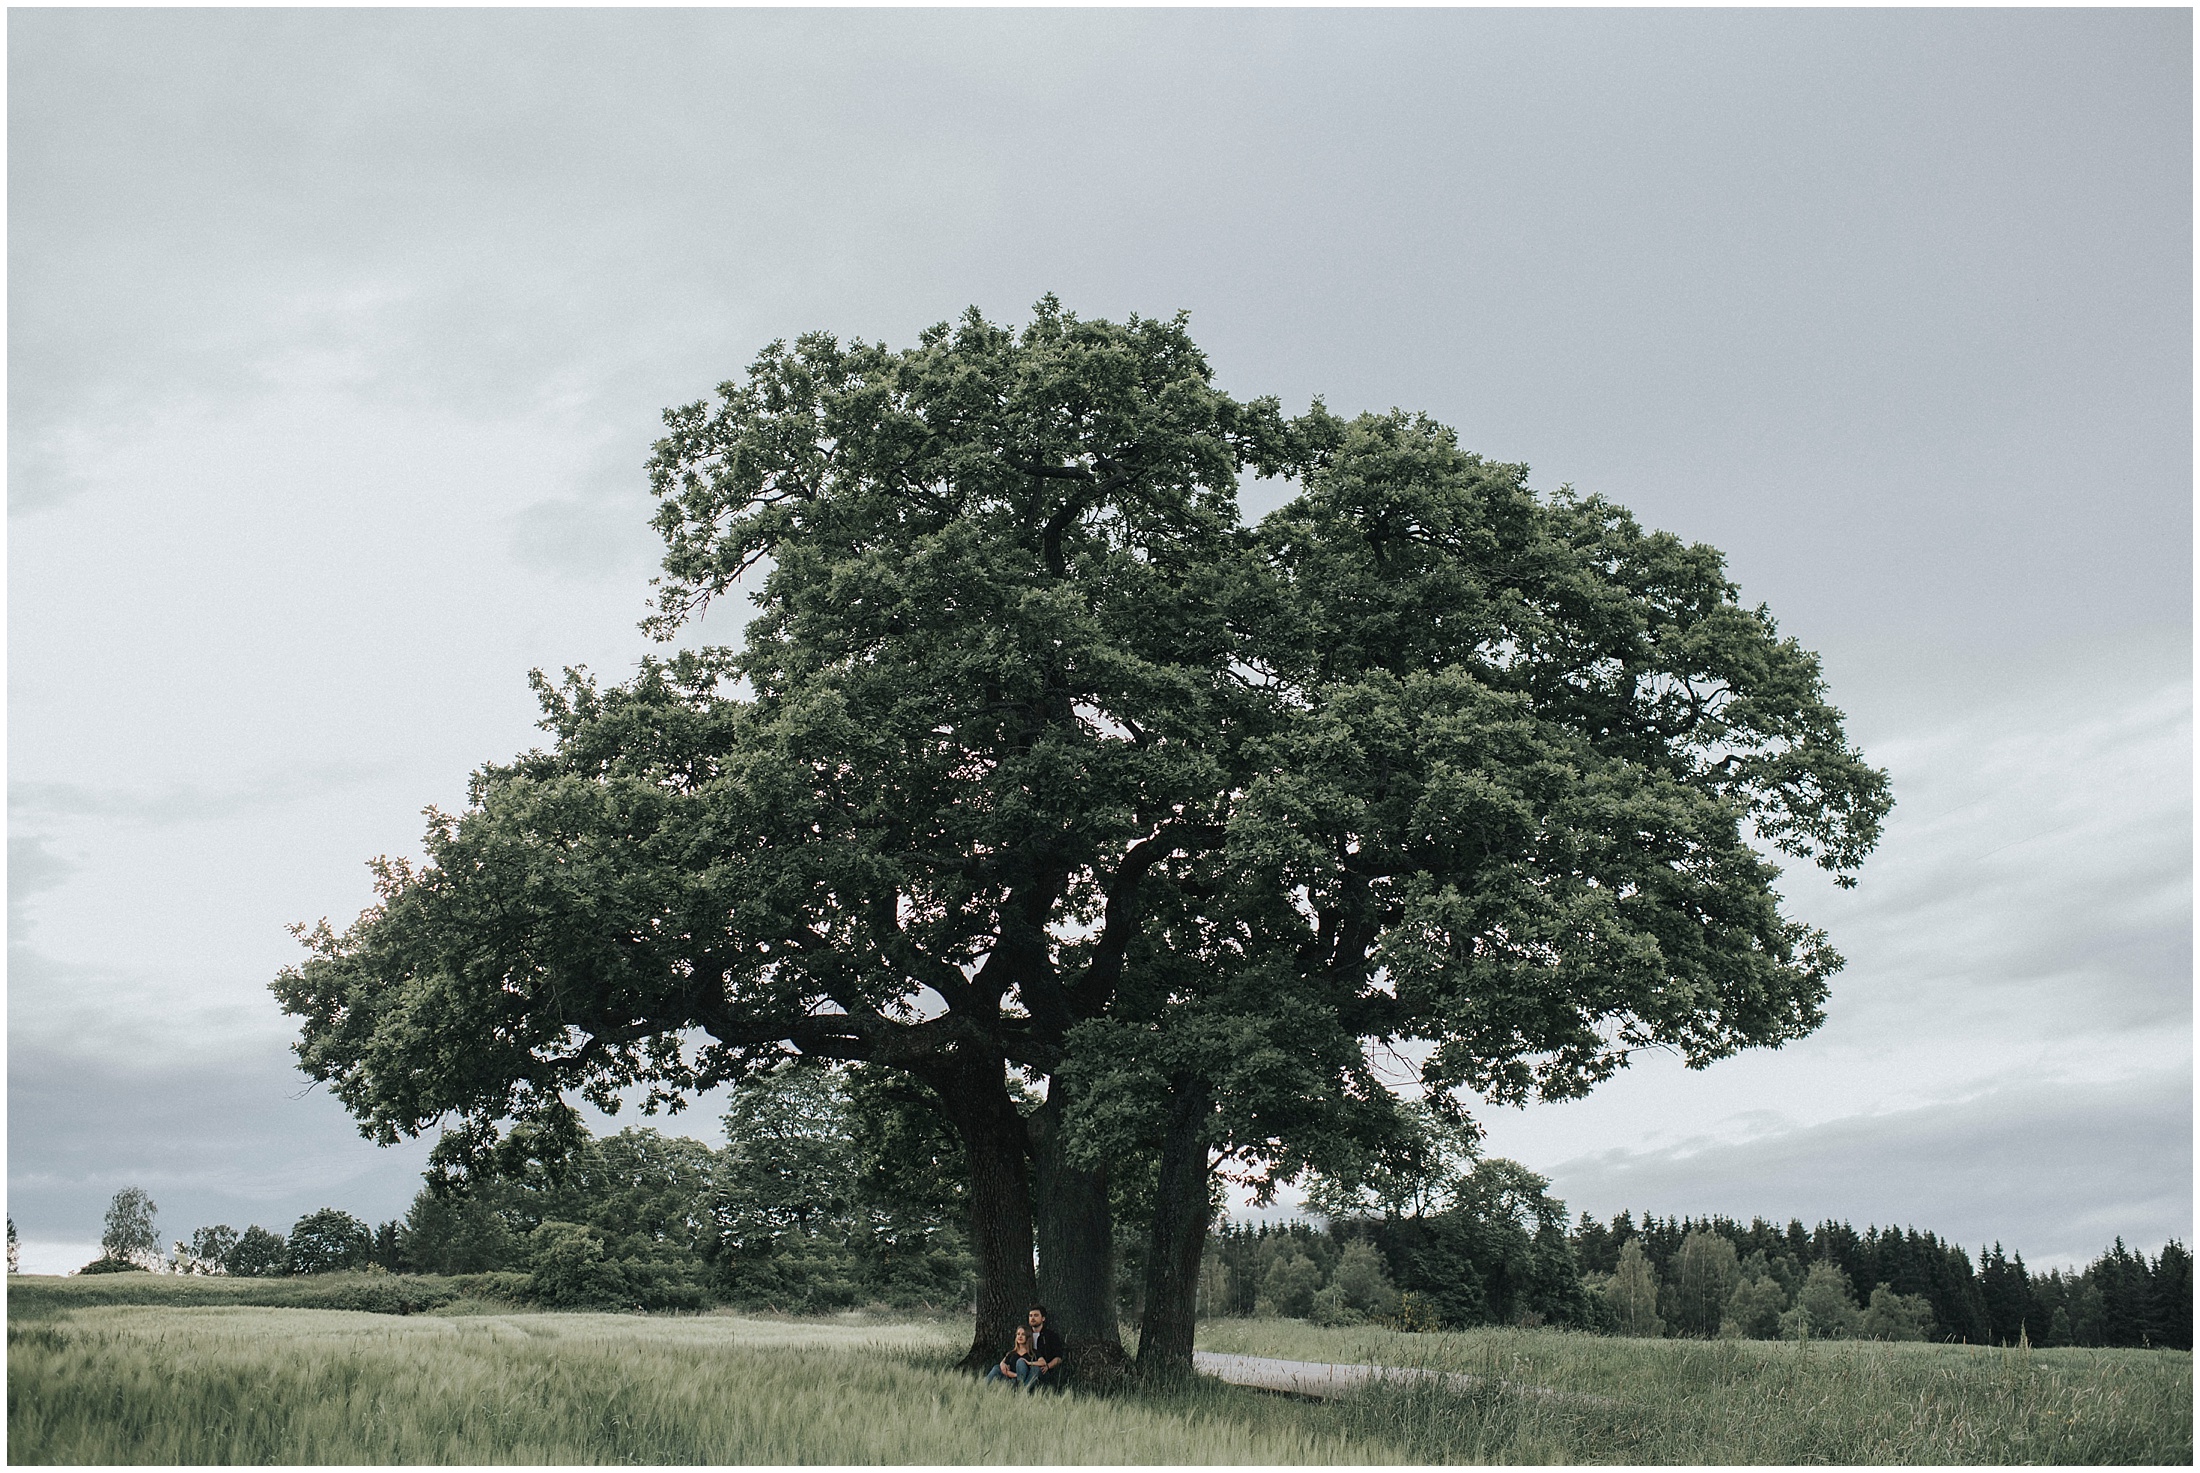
(1036, 1355)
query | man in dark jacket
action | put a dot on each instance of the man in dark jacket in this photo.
(1046, 1350)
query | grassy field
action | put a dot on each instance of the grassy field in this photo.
(1550, 1396)
(199, 1374)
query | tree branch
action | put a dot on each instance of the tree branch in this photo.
(1091, 994)
(1052, 472)
(1115, 475)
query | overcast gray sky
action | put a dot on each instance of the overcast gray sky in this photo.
(337, 340)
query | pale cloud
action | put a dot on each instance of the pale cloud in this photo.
(180, 803)
(589, 539)
(2037, 874)
(33, 867)
(131, 1016)
(2050, 1169)
(236, 1136)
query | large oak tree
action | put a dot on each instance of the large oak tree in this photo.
(1038, 763)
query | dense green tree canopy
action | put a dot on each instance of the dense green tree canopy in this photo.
(1536, 746)
(990, 684)
(327, 1241)
(257, 1253)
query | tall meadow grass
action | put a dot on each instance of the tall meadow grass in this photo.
(251, 1385)
(193, 1373)
(1547, 1395)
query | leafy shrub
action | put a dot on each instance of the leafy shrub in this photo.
(1330, 1308)
(568, 1269)
(1289, 1286)
(1416, 1315)
(796, 1273)
(376, 1293)
(507, 1285)
(106, 1264)
(1363, 1280)
(1892, 1316)
(1753, 1309)
(664, 1283)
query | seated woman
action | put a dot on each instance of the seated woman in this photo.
(1012, 1367)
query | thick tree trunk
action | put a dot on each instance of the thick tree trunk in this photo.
(993, 1136)
(1076, 1249)
(1181, 1211)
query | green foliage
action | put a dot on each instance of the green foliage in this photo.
(2118, 1299)
(1417, 1169)
(1180, 812)
(909, 1236)
(257, 1253)
(1892, 1316)
(1753, 1310)
(207, 1251)
(1705, 1274)
(1496, 1254)
(1362, 1281)
(1328, 1307)
(1632, 1294)
(456, 1233)
(1288, 1286)
(1534, 732)
(647, 1192)
(328, 1241)
(1825, 1307)
(827, 1195)
(1965, 1305)
(568, 1269)
(106, 1265)
(129, 1232)
(991, 558)
(787, 1167)
(1415, 1315)
(836, 1187)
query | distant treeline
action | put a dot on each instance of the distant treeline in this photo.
(1691, 1277)
(2120, 1299)
(840, 1187)
(833, 1191)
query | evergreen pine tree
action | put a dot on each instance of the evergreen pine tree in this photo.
(2006, 1290)
(1595, 1246)
(2171, 1284)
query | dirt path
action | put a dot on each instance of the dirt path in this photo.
(1327, 1378)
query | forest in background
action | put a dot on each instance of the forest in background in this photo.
(841, 1188)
